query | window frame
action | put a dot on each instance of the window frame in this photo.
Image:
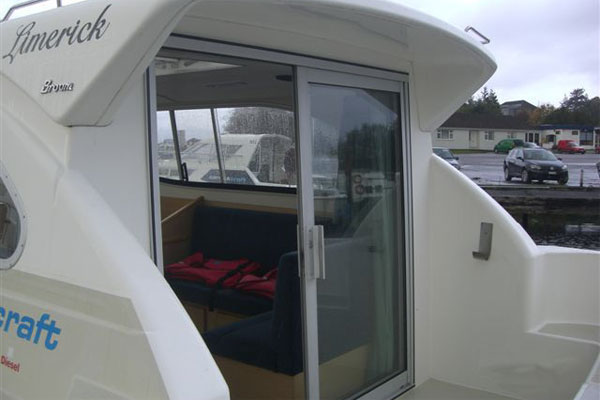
(231, 186)
(489, 135)
(10, 262)
(449, 132)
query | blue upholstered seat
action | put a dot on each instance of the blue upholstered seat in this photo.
(271, 336)
(348, 322)
(272, 340)
(229, 234)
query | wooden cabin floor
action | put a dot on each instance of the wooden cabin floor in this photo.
(437, 390)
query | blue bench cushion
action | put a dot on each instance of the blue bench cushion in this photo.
(223, 299)
(193, 292)
(241, 303)
(248, 341)
(229, 234)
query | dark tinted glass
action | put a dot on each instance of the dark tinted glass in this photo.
(10, 225)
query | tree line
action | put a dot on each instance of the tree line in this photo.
(261, 120)
(576, 108)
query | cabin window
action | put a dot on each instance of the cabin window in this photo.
(242, 137)
(11, 223)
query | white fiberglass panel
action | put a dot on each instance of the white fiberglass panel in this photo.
(486, 315)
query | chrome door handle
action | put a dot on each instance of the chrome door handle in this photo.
(318, 251)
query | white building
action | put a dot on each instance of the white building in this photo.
(482, 132)
(585, 136)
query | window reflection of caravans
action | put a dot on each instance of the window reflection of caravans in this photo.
(246, 160)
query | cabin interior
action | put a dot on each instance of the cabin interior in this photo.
(227, 157)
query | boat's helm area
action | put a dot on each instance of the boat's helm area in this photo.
(260, 160)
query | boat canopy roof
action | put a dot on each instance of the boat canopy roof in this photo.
(77, 61)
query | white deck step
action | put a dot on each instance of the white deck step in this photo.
(589, 391)
(590, 333)
(437, 390)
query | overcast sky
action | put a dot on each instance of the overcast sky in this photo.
(544, 48)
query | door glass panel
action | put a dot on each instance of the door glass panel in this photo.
(167, 161)
(357, 189)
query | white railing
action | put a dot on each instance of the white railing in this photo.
(26, 4)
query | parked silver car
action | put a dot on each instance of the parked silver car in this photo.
(447, 155)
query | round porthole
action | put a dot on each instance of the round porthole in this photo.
(12, 222)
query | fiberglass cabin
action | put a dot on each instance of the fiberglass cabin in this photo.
(237, 199)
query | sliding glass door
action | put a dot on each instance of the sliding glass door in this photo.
(352, 236)
(350, 153)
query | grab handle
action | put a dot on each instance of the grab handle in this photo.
(485, 241)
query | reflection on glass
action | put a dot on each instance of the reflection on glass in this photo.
(256, 145)
(10, 226)
(250, 140)
(167, 163)
(357, 189)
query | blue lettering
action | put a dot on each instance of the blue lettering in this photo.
(52, 329)
(41, 325)
(25, 329)
(12, 316)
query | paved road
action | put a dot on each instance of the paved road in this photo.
(486, 168)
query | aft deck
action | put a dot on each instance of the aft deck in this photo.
(436, 390)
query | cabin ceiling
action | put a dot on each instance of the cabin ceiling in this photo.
(224, 82)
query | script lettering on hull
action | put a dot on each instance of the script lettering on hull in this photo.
(8, 363)
(29, 40)
(51, 87)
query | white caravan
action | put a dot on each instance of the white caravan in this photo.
(402, 280)
(244, 159)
